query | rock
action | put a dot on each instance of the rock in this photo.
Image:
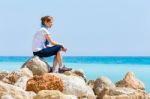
(69, 73)
(52, 94)
(21, 82)
(24, 72)
(101, 84)
(79, 73)
(45, 82)
(7, 97)
(11, 78)
(135, 95)
(3, 74)
(148, 95)
(8, 91)
(70, 97)
(49, 94)
(122, 93)
(125, 97)
(37, 65)
(131, 81)
(74, 85)
(91, 83)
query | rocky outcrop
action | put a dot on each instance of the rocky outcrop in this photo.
(8, 91)
(21, 82)
(101, 84)
(131, 81)
(79, 73)
(74, 85)
(11, 78)
(37, 65)
(120, 91)
(45, 82)
(129, 88)
(69, 85)
(3, 74)
(53, 94)
(125, 93)
(91, 83)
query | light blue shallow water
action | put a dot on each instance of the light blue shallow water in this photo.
(114, 68)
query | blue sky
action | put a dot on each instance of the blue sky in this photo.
(85, 27)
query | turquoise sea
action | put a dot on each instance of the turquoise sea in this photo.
(113, 67)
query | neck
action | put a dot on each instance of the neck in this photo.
(44, 26)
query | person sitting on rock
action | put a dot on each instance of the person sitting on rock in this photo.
(41, 41)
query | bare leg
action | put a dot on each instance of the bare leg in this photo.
(59, 59)
(54, 63)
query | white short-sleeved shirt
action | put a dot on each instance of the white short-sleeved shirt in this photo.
(39, 40)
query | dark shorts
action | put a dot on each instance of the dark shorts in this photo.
(49, 51)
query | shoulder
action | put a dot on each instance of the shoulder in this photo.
(44, 30)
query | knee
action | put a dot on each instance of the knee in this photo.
(59, 47)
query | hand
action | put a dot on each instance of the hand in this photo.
(64, 49)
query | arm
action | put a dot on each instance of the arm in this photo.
(45, 33)
(48, 37)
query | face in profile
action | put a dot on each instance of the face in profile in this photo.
(48, 24)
